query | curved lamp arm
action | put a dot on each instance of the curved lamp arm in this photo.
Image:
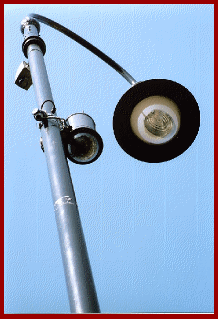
(85, 44)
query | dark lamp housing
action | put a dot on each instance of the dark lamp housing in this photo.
(156, 120)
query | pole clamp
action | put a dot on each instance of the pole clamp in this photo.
(33, 40)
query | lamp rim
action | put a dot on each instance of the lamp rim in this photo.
(90, 131)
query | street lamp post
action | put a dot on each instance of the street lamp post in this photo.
(154, 121)
(80, 283)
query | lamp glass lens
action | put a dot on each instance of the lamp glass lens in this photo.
(84, 147)
(159, 123)
(155, 120)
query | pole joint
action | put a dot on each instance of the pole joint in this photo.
(30, 28)
(27, 22)
(33, 40)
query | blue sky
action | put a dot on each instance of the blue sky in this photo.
(148, 227)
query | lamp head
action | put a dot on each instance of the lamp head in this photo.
(83, 145)
(156, 120)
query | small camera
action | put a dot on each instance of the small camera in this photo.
(39, 115)
(23, 76)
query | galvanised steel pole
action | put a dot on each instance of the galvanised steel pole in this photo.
(80, 283)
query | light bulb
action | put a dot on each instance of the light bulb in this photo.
(159, 123)
(155, 120)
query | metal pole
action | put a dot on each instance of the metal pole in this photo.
(79, 279)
